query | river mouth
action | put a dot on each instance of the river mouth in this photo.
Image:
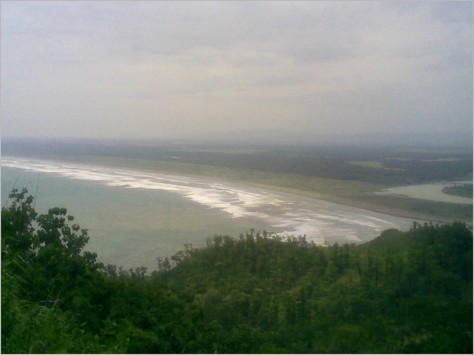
(431, 192)
(136, 216)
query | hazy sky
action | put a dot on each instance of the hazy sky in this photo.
(183, 69)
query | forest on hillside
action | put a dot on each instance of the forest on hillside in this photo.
(403, 292)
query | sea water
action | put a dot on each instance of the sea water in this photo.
(134, 217)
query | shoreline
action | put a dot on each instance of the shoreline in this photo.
(136, 164)
(350, 203)
(377, 208)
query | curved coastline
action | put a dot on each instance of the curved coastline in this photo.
(323, 219)
(386, 209)
(238, 198)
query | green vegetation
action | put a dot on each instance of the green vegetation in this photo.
(422, 209)
(374, 164)
(464, 190)
(369, 164)
(404, 292)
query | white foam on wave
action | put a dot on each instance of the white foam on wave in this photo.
(318, 230)
(226, 198)
(318, 220)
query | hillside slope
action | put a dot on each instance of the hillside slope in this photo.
(404, 292)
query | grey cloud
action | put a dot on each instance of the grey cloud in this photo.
(184, 68)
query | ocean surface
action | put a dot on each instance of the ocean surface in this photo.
(135, 216)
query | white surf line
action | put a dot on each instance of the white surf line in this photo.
(322, 218)
(226, 198)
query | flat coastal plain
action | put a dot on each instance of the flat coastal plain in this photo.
(359, 194)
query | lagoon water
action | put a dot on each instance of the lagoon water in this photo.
(432, 192)
(135, 216)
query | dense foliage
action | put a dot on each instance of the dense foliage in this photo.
(404, 292)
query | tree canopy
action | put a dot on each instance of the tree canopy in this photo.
(403, 292)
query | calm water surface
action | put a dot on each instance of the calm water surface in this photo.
(432, 192)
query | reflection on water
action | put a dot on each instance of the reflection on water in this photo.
(135, 216)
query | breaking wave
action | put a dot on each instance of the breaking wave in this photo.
(321, 221)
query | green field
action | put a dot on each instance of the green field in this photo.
(464, 190)
(374, 164)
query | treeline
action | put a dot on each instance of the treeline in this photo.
(402, 165)
(404, 292)
(335, 163)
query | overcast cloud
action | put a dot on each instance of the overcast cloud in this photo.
(209, 69)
